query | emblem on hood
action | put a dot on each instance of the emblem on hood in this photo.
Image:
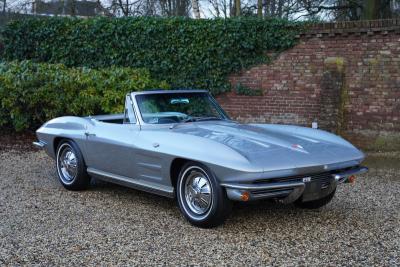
(297, 146)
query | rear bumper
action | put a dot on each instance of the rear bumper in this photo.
(287, 192)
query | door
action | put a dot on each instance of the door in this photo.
(111, 146)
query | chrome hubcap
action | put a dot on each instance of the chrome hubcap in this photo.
(198, 192)
(67, 164)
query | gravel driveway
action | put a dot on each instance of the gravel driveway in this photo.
(41, 223)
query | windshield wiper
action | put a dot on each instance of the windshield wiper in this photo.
(206, 118)
(193, 119)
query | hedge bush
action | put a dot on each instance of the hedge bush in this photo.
(32, 93)
(182, 51)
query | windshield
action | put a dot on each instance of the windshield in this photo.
(162, 108)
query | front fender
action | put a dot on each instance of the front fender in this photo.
(62, 127)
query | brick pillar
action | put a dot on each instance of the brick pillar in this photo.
(333, 95)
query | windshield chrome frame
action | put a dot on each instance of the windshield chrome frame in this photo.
(139, 113)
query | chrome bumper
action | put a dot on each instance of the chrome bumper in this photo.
(287, 192)
(342, 177)
(39, 144)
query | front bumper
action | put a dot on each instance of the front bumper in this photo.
(39, 144)
(290, 190)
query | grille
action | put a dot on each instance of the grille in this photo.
(272, 192)
(325, 176)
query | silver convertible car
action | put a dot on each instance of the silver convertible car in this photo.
(182, 144)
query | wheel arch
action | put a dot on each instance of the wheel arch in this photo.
(57, 140)
(175, 169)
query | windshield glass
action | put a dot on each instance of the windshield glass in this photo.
(162, 108)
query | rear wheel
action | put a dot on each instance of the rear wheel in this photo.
(201, 199)
(70, 165)
(315, 204)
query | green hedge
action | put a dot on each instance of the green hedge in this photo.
(32, 93)
(184, 52)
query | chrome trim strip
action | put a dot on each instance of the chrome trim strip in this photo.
(234, 191)
(177, 91)
(152, 177)
(343, 175)
(284, 192)
(262, 186)
(39, 144)
(133, 109)
(150, 187)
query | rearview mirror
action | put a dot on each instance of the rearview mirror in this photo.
(179, 101)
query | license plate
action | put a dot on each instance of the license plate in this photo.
(318, 189)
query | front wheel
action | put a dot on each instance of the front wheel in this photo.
(201, 199)
(70, 165)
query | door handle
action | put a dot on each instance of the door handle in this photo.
(89, 134)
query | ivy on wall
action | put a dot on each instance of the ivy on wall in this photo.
(243, 90)
(182, 51)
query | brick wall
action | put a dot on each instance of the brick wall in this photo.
(346, 76)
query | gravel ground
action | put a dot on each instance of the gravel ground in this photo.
(43, 224)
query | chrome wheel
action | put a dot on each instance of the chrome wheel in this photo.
(198, 191)
(201, 199)
(67, 164)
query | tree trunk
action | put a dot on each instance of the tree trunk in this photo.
(4, 6)
(196, 9)
(73, 8)
(217, 12)
(370, 10)
(280, 8)
(259, 8)
(65, 4)
(237, 7)
(266, 8)
(182, 8)
(225, 9)
(272, 8)
(125, 11)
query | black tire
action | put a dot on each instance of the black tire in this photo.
(315, 204)
(219, 206)
(80, 180)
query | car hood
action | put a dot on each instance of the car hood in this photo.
(273, 147)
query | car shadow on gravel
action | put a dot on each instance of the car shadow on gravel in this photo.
(97, 185)
(256, 214)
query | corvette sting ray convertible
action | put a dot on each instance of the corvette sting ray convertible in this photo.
(180, 143)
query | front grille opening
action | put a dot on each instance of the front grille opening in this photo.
(325, 176)
(272, 192)
(322, 177)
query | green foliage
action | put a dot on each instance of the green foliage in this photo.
(32, 93)
(243, 90)
(184, 52)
